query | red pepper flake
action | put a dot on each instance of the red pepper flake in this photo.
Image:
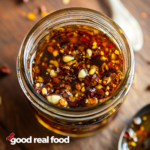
(66, 51)
(38, 62)
(101, 92)
(63, 34)
(66, 71)
(115, 129)
(121, 61)
(95, 78)
(38, 90)
(110, 45)
(101, 72)
(116, 87)
(141, 133)
(143, 15)
(91, 92)
(146, 38)
(60, 73)
(23, 14)
(33, 74)
(105, 52)
(126, 134)
(56, 80)
(99, 43)
(78, 86)
(91, 43)
(81, 32)
(4, 70)
(46, 66)
(105, 44)
(50, 49)
(148, 88)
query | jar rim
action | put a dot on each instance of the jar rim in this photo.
(26, 85)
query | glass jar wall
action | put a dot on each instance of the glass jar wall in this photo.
(74, 122)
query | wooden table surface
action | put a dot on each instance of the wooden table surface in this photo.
(15, 112)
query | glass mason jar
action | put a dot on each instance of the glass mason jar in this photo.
(74, 122)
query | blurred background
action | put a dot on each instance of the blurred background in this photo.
(16, 19)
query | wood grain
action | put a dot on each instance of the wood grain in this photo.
(15, 112)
